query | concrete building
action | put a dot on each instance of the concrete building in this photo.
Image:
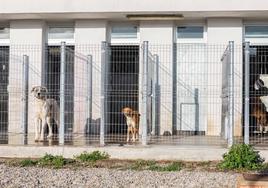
(210, 25)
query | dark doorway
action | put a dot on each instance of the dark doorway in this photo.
(123, 86)
(52, 80)
(4, 76)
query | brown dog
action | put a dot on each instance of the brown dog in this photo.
(133, 120)
(259, 112)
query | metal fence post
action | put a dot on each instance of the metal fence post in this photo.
(174, 89)
(103, 85)
(155, 96)
(25, 88)
(246, 107)
(62, 92)
(145, 93)
(231, 94)
(89, 91)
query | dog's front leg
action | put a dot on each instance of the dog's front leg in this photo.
(261, 128)
(266, 129)
(133, 134)
(136, 134)
(42, 137)
(128, 131)
(37, 129)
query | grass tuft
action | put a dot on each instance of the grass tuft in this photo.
(56, 161)
(92, 157)
(27, 162)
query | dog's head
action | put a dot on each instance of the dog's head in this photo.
(39, 92)
(127, 111)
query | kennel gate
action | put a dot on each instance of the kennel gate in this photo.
(255, 69)
(227, 127)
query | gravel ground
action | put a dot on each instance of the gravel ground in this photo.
(90, 177)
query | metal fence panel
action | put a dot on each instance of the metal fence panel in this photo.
(177, 92)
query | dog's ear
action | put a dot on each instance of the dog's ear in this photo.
(33, 88)
(44, 89)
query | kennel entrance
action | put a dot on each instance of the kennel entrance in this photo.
(122, 88)
(52, 80)
(4, 76)
(258, 63)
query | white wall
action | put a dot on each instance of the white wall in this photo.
(26, 37)
(88, 37)
(223, 30)
(220, 32)
(74, 6)
(159, 34)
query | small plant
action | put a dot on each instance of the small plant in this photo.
(92, 157)
(56, 161)
(27, 162)
(241, 157)
(174, 166)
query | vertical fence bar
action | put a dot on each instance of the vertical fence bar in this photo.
(155, 96)
(174, 89)
(196, 101)
(89, 91)
(246, 107)
(62, 92)
(231, 94)
(145, 92)
(103, 85)
(25, 88)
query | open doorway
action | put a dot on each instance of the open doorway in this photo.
(52, 81)
(4, 76)
(122, 88)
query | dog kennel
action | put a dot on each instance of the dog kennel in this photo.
(258, 66)
(122, 88)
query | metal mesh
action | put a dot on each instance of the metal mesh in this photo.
(184, 94)
(258, 71)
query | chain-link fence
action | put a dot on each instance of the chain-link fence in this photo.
(83, 94)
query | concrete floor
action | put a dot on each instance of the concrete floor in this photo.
(188, 148)
(93, 140)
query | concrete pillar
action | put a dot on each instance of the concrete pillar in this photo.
(220, 31)
(159, 34)
(88, 37)
(26, 37)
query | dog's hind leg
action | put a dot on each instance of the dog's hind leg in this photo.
(136, 134)
(128, 132)
(50, 132)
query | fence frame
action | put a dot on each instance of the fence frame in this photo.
(62, 93)
(246, 104)
(231, 94)
(25, 101)
(89, 90)
(103, 91)
(144, 119)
